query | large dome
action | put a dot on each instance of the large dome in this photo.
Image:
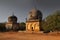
(35, 14)
(12, 18)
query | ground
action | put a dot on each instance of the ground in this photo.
(28, 36)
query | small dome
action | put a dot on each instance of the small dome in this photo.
(35, 14)
(12, 18)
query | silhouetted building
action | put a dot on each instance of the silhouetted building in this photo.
(12, 23)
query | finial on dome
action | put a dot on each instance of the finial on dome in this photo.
(12, 13)
(34, 4)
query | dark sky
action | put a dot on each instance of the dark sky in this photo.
(21, 8)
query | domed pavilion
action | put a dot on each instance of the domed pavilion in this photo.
(33, 22)
(12, 23)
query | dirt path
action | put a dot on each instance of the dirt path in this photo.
(27, 36)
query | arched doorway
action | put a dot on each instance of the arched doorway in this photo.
(32, 29)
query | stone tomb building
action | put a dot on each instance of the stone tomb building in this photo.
(33, 22)
(12, 23)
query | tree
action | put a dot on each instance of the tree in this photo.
(22, 26)
(45, 27)
(52, 22)
(2, 27)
